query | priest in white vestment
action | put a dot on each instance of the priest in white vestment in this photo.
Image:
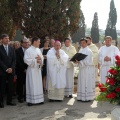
(95, 51)
(107, 55)
(70, 51)
(34, 59)
(57, 66)
(86, 75)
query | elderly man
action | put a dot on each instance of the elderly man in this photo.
(21, 68)
(107, 55)
(57, 65)
(70, 51)
(34, 59)
(94, 50)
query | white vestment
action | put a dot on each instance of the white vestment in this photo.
(34, 88)
(70, 51)
(57, 74)
(95, 51)
(86, 77)
(111, 52)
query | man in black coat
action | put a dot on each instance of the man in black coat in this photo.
(21, 70)
(7, 70)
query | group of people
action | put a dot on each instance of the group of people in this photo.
(48, 70)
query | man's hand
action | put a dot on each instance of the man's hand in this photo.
(39, 61)
(44, 56)
(38, 57)
(107, 59)
(58, 54)
(9, 70)
(76, 61)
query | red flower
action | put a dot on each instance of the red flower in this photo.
(112, 71)
(110, 81)
(118, 62)
(117, 89)
(100, 85)
(117, 57)
(103, 89)
(111, 95)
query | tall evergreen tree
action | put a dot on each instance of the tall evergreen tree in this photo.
(111, 25)
(81, 31)
(95, 29)
(55, 18)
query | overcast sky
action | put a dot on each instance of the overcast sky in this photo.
(102, 7)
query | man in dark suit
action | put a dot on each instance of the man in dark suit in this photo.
(21, 70)
(7, 70)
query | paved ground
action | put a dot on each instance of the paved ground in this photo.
(69, 109)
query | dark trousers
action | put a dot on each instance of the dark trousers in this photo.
(21, 85)
(6, 81)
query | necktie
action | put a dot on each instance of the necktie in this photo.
(6, 48)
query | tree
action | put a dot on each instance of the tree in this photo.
(81, 31)
(111, 25)
(6, 21)
(95, 29)
(55, 18)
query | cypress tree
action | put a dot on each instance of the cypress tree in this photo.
(95, 29)
(111, 25)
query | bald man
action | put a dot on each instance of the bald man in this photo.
(57, 66)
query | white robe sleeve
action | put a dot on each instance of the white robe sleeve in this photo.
(87, 61)
(29, 60)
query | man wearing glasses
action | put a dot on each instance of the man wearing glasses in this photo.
(21, 70)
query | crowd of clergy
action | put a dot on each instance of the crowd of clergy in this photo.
(32, 69)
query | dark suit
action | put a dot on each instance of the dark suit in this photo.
(20, 71)
(6, 61)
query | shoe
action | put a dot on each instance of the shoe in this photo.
(70, 96)
(58, 100)
(50, 100)
(11, 104)
(41, 103)
(1, 105)
(20, 100)
(29, 104)
(85, 101)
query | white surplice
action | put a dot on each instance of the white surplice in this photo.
(70, 51)
(34, 88)
(86, 77)
(95, 51)
(57, 74)
(111, 52)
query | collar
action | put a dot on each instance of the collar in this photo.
(5, 45)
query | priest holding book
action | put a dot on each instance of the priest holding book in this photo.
(86, 76)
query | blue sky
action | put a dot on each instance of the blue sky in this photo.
(102, 7)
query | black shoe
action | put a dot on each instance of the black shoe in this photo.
(1, 105)
(29, 104)
(58, 100)
(20, 100)
(50, 100)
(11, 104)
(41, 103)
(70, 96)
(85, 101)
